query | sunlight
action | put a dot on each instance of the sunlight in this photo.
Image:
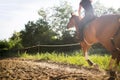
(16, 13)
(112, 3)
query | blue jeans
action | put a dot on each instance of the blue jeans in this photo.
(83, 23)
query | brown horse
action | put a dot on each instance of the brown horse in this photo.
(101, 30)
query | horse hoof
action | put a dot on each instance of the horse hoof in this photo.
(113, 75)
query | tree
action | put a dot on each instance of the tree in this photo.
(4, 47)
(118, 11)
(102, 10)
(99, 9)
(37, 33)
(15, 41)
(43, 13)
(68, 38)
(60, 17)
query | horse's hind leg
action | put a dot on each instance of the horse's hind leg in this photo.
(114, 65)
(114, 62)
(110, 47)
(117, 68)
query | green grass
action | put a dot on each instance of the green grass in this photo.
(75, 58)
(102, 61)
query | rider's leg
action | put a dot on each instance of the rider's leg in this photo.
(83, 23)
(81, 28)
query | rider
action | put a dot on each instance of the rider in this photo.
(89, 15)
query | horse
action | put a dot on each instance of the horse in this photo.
(101, 30)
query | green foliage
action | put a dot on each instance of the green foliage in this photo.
(67, 38)
(102, 10)
(99, 9)
(118, 10)
(102, 61)
(4, 45)
(13, 44)
(15, 41)
(37, 33)
(42, 13)
(60, 17)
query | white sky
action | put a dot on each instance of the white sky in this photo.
(14, 14)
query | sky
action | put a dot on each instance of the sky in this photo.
(14, 14)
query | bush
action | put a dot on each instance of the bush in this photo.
(4, 48)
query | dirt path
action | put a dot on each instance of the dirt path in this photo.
(22, 69)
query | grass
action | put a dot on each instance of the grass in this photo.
(75, 58)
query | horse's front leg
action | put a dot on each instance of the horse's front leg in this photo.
(87, 58)
(90, 62)
(85, 53)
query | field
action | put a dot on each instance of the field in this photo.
(52, 66)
